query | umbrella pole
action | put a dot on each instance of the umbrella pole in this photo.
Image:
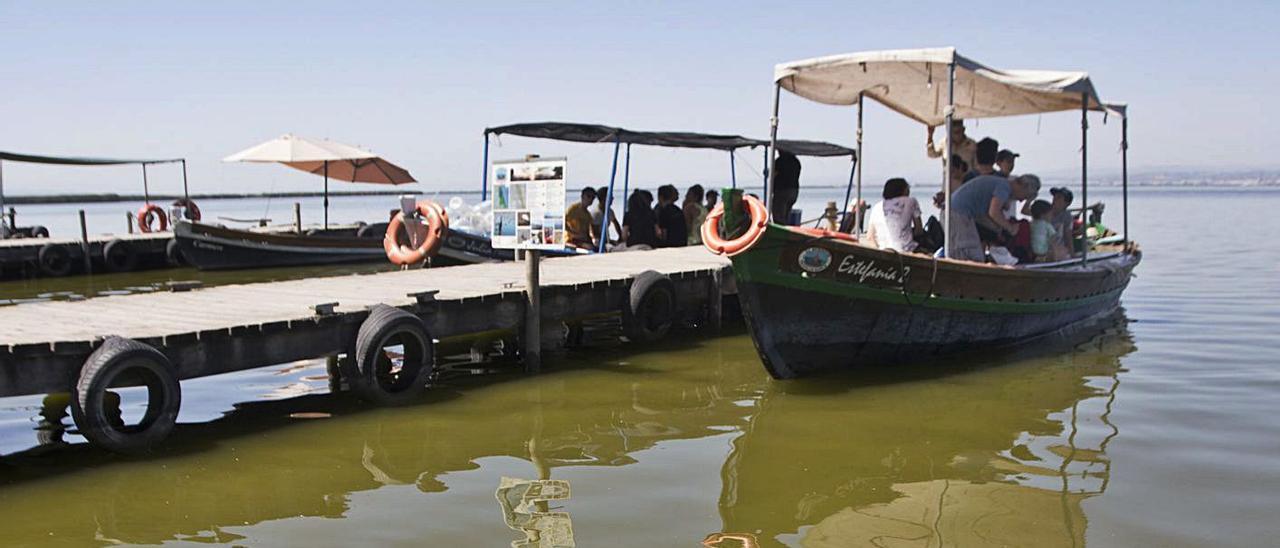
(326, 195)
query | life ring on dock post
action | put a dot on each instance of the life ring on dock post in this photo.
(95, 408)
(377, 377)
(53, 260)
(431, 238)
(118, 256)
(755, 229)
(651, 307)
(148, 213)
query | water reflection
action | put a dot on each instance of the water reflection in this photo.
(964, 454)
(997, 456)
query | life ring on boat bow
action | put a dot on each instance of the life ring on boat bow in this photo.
(148, 213)
(429, 238)
(755, 230)
(192, 212)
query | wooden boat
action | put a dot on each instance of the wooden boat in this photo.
(212, 247)
(815, 303)
(819, 300)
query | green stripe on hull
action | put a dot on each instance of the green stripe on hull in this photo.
(760, 265)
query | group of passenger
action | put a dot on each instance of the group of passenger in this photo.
(669, 223)
(985, 196)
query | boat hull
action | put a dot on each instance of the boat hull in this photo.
(210, 247)
(815, 305)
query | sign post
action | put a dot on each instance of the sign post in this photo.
(528, 216)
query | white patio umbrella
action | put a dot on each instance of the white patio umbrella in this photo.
(326, 158)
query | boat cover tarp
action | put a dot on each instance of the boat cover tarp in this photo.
(596, 133)
(78, 161)
(913, 82)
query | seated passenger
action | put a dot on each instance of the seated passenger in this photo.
(694, 214)
(638, 225)
(672, 230)
(895, 222)
(577, 221)
(604, 200)
(712, 198)
(1005, 160)
(1062, 219)
(1046, 246)
(958, 169)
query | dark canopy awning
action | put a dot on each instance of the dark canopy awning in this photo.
(595, 133)
(78, 161)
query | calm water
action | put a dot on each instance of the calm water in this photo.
(1159, 431)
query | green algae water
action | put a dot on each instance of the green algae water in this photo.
(1156, 430)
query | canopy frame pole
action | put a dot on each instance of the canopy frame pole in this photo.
(4, 231)
(946, 163)
(733, 171)
(326, 195)
(484, 170)
(1084, 173)
(186, 193)
(626, 182)
(604, 207)
(1124, 173)
(146, 191)
(765, 162)
(772, 151)
(857, 167)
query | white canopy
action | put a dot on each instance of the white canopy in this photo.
(913, 82)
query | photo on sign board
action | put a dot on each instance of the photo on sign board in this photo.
(522, 218)
(502, 197)
(559, 238)
(548, 235)
(522, 236)
(523, 173)
(504, 223)
(500, 174)
(548, 173)
(518, 199)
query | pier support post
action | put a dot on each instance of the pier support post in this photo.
(532, 314)
(84, 244)
(13, 220)
(128, 221)
(297, 217)
(715, 299)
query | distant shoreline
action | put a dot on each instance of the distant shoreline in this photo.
(111, 197)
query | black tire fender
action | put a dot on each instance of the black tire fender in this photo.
(651, 308)
(372, 379)
(54, 260)
(116, 356)
(118, 256)
(39, 231)
(173, 253)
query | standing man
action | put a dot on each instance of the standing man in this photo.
(982, 202)
(962, 145)
(577, 221)
(786, 186)
(985, 155)
(672, 230)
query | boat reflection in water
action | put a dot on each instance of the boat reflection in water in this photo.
(1002, 456)
(967, 455)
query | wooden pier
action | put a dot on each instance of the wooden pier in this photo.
(21, 257)
(58, 346)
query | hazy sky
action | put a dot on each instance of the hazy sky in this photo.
(417, 82)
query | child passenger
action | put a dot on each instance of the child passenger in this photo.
(1046, 243)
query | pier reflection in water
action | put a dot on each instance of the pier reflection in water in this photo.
(663, 447)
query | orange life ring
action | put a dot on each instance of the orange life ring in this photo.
(149, 212)
(755, 230)
(193, 210)
(431, 237)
